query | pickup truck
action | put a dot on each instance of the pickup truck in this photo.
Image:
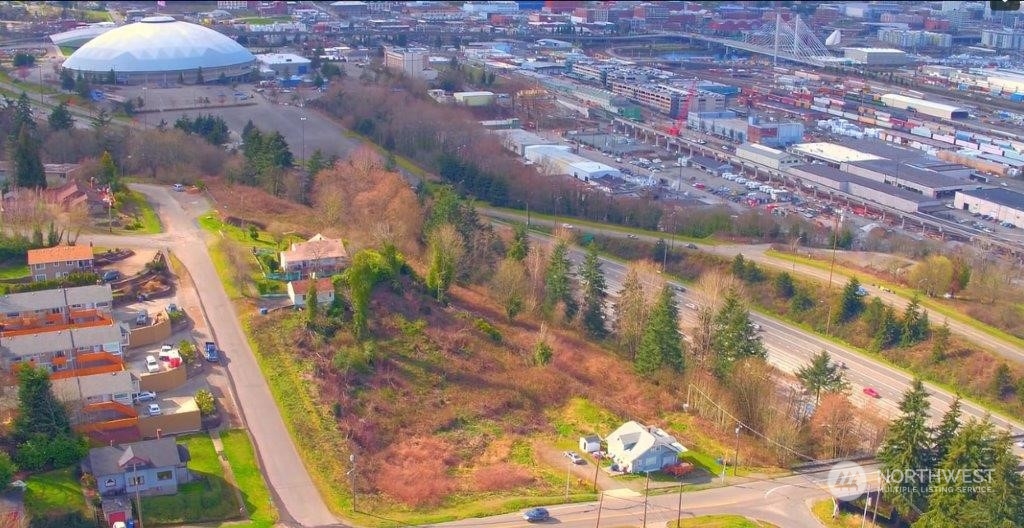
(210, 352)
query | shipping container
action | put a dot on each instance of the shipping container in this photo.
(1013, 154)
(921, 131)
(835, 111)
(991, 149)
(850, 115)
(944, 138)
(836, 102)
(915, 122)
(960, 134)
(868, 120)
(885, 124)
(883, 115)
(821, 101)
(819, 108)
(1017, 97)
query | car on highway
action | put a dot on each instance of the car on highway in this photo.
(755, 327)
(872, 392)
(154, 409)
(568, 226)
(631, 235)
(574, 457)
(691, 246)
(536, 515)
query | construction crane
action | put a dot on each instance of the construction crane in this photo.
(684, 109)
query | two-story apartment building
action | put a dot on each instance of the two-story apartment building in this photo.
(59, 261)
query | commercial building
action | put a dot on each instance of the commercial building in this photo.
(350, 8)
(59, 261)
(724, 124)
(876, 56)
(410, 61)
(556, 159)
(1002, 204)
(516, 140)
(930, 108)
(485, 9)
(283, 64)
(760, 155)
(1003, 39)
(906, 38)
(163, 49)
(669, 99)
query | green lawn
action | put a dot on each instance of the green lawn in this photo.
(14, 272)
(54, 493)
(242, 458)
(208, 499)
(135, 204)
(719, 521)
(822, 510)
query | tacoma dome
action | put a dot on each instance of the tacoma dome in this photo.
(161, 49)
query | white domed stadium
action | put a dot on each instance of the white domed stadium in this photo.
(161, 49)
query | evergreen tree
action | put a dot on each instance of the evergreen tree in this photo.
(111, 77)
(67, 81)
(594, 293)
(908, 448)
(82, 86)
(23, 115)
(101, 121)
(822, 374)
(60, 118)
(520, 246)
(662, 342)
(733, 336)
(40, 413)
(556, 282)
(108, 171)
(312, 308)
(914, 325)
(26, 162)
(1002, 381)
(850, 302)
(940, 342)
(784, 286)
(801, 301)
(316, 163)
(889, 330)
(946, 432)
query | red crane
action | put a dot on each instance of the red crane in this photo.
(684, 109)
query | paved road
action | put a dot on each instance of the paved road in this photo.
(790, 348)
(297, 498)
(782, 501)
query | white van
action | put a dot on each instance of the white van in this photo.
(753, 184)
(766, 189)
(741, 181)
(729, 176)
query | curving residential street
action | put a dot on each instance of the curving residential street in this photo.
(298, 500)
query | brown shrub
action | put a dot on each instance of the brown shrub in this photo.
(501, 477)
(415, 472)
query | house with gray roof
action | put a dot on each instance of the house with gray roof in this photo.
(150, 467)
(637, 448)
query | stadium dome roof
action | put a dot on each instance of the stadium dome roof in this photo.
(158, 44)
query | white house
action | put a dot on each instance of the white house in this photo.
(637, 448)
(590, 443)
(297, 291)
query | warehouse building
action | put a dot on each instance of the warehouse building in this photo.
(876, 56)
(516, 140)
(930, 108)
(830, 179)
(669, 99)
(830, 153)
(906, 176)
(759, 155)
(1002, 204)
(474, 98)
(410, 61)
(774, 133)
(283, 64)
(558, 159)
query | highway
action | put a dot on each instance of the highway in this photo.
(790, 348)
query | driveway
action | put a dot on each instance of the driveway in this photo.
(298, 500)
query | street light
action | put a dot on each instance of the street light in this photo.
(736, 458)
(302, 121)
(352, 479)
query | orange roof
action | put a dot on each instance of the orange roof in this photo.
(322, 285)
(58, 254)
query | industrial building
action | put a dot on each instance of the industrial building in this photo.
(516, 140)
(827, 179)
(558, 159)
(760, 155)
(724, 124)
(283, 64)
(474, 98)
(774, 133)
(930, 108)
(163, 49)
(830, 153)
(669, 99)
(410, 61)
(1002, 204)
(876, 56)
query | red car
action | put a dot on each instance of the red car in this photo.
(872, 392)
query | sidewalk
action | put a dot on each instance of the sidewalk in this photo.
(229, 475)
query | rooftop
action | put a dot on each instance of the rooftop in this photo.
(318, 247)
(831, 152)
(764, 151)
(999, 196)
(840, 176)
(56, 298)
(28, 345)
(162, 452)
(910, 173)
(58, 254)
(302, 286)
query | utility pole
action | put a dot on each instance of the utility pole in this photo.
(647, 487)
(600, 506)
(352, 479)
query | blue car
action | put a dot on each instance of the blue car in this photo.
(536, 515)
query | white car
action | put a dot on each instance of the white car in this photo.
(154, 409)
(152, 365)
(691, 306)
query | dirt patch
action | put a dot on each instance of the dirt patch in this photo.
(135, 263)
(252, 206)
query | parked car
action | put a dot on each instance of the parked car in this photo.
(691, 306)
(111, 275)
(154, 409)
(142, 319)
(210, 352)
(536, 515)
(178, 187)
(755, 327)
(144, 396)
(152, 365)
(631, 235)
(691, 246)
(574, 457)
(872, 392)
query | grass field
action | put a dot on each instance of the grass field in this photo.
(207, 499)
(135, 205)
(719, 521)
(822, 510)
(54, 493)
(239, 452)
(13, 272)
